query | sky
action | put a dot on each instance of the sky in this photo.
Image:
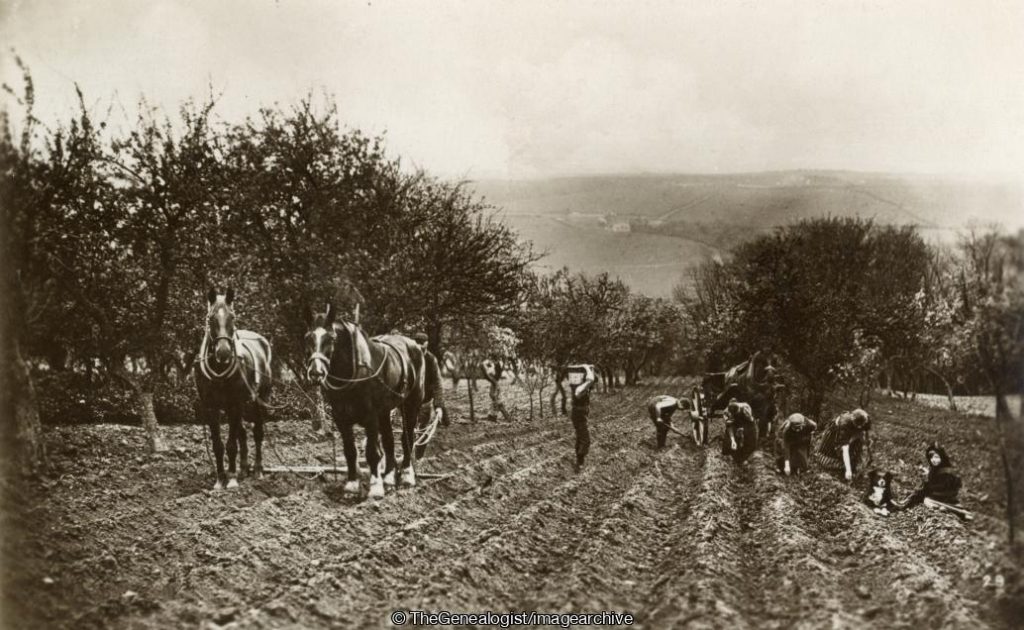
(548, 88)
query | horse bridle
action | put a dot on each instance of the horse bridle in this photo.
(338, 383)
(204, 357)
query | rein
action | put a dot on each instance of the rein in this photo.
(234, 368)
(339, 383)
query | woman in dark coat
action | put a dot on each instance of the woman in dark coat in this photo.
(942, 483)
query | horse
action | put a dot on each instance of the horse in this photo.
(363, 379)
(232, 376)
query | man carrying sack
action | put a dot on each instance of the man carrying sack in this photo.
(581, 380)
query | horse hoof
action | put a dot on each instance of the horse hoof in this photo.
(218, 485)
(408, 477)
(376, 489)
(352, 487)
(389, 479)
(232, 483)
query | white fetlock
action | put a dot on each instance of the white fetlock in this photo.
(352, 487)
(218, 485)
(376, 488)
(409, 477)
(232, 483)
(389, 479)
(734, 446)
(787, 469)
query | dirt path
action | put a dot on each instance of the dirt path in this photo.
(680, 537)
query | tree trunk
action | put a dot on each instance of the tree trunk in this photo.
(497, 404)
(1007, 430)
(25, 434)
(815, 401)
(434, 340)
(472, 411)
(148, 412)
(948, 386)
(144, 405)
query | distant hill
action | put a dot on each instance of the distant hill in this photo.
(648, 229)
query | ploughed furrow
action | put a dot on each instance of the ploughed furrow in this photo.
(806, 584)
(436, 556)
(899, 582)
(612, 564)
(702, 580)
(238, 555)
(479, 541)
(337, 556)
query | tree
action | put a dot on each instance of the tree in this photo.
(832, 297)
(992, 291)
(49, 183)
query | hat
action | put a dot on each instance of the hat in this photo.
(421, 337)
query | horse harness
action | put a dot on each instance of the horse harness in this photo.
(338, 383)
(233, 368)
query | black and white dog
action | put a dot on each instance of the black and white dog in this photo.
(879, 494)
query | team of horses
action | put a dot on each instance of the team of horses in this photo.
(363, 379)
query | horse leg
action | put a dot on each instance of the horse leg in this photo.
(373, 459)
(257, 436)
(243, 449)
(234, 423)
(410, 413)
(213, 418)
(348, 443)
(387, 439)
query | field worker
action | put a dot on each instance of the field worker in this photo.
(581, 381)
(843, 442)
(432, 382)
(660, 409)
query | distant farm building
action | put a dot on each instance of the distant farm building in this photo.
(621, 227)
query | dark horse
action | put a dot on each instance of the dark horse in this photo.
(364, 379)
(232, 375)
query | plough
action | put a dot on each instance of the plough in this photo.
(338, 470)
(423, 436)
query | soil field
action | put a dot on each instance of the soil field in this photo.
(683, 537)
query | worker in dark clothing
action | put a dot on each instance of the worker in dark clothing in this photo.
(432, 386)
(941, 486)
(581, 381)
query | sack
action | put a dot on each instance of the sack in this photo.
(578, 374)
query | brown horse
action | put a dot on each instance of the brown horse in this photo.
(363, 379)
(233, 376)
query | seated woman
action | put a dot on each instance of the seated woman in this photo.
(942, 484)
(843, 441)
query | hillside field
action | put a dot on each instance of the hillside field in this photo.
(111, 537)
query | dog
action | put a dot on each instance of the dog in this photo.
(879, 494)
